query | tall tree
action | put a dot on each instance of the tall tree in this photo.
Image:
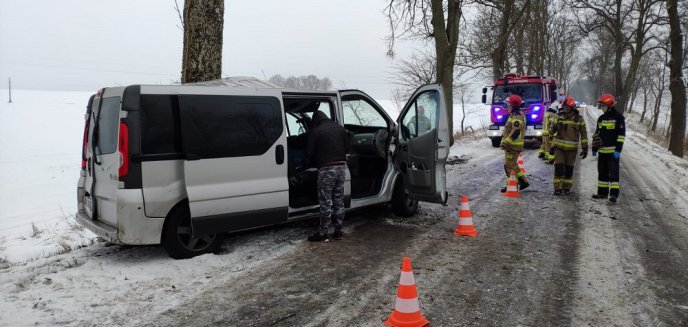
(676, 84)
(203, 26)
(630, 23)
(430, 19)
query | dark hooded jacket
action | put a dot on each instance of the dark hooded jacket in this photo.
(328, 141)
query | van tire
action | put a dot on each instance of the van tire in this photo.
(177, 239)
(402, 205)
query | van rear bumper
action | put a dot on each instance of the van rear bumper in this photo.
(107, 232)
(132, 227)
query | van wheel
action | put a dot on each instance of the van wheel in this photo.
(178, 240)
(402, 205)
(496, 141)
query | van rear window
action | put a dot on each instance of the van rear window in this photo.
(160, 132)
(108, 125)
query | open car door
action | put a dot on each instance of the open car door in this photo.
(422, 147)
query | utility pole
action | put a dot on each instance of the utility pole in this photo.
(10, 88)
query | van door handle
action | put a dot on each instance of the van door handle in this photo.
(192, 156)
(279, 154)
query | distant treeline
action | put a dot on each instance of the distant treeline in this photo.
(310, 82)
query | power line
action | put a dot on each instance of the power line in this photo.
(87, 69)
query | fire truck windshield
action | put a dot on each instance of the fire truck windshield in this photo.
(528, 92)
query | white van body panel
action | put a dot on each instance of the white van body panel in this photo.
(163, 186)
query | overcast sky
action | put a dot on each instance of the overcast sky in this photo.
(87, 44)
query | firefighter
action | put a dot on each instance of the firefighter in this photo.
(568, 131)
(512, 140)
(607, 141)
(550, 120)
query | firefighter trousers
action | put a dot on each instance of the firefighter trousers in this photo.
(511, 165)
(608, 175)
(564, 161)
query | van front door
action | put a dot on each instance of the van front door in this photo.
(423, 140)
(235, 170)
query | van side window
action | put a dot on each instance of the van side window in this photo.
(422, 116)
(160, 124)
(229, 126)
(108, 126)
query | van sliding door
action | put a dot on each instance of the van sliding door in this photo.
(235, 172)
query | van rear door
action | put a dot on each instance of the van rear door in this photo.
(235, 170)
(102, 157)
(423, 141)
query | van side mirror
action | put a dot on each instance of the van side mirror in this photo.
(484, 90)
(484, 98)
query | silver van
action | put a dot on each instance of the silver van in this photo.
(181, 165)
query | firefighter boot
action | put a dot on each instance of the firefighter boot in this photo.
(557, 192)
(522, 184)
(541, 155)
(566, 192)
(599, 196)
(612, 199)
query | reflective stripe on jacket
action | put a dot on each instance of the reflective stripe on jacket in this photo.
(568, 131)
(512, 138)
(610, 132)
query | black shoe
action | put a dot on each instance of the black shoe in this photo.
(541, 155)
(523, 185)
(549, 162)
(599, 196)
(612, 199)
(557, 192)
(317, 237)
(503, 190)
(338, 235)
(566, 192)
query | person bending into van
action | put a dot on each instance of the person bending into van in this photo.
(327, 150)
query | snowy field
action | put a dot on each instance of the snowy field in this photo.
(40, 156)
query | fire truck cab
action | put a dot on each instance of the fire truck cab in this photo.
(537, 93)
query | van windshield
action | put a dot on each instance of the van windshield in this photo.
(108, 125)
(528, 92)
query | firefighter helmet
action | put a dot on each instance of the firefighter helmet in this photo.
(607, 99)
(515, 101)
(570, 102)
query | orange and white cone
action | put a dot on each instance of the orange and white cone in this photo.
(520, 163)
(465, 227)
(512, 187)
(406, 308)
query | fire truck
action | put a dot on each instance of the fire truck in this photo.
(537, 92)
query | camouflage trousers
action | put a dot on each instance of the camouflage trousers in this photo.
(331, 197)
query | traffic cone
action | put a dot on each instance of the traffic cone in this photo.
(512, 187)
(520, 163)
(465, 227)
(406, 308)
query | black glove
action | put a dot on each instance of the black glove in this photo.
(584, 154)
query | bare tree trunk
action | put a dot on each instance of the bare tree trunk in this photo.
(446, 43)
(678, 89)
(203, 27)
(656, 110)
(642, 116)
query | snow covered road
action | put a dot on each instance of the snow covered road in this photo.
(538, 260)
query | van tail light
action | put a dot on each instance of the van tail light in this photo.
(84, 146)
(123, 150)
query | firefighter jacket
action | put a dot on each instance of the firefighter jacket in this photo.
(610, 132)
(550, 120)
(514, 130)
(568, 130)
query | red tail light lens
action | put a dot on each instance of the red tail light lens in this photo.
(123, 150)
(84, 146)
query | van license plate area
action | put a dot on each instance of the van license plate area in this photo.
(88, 206)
